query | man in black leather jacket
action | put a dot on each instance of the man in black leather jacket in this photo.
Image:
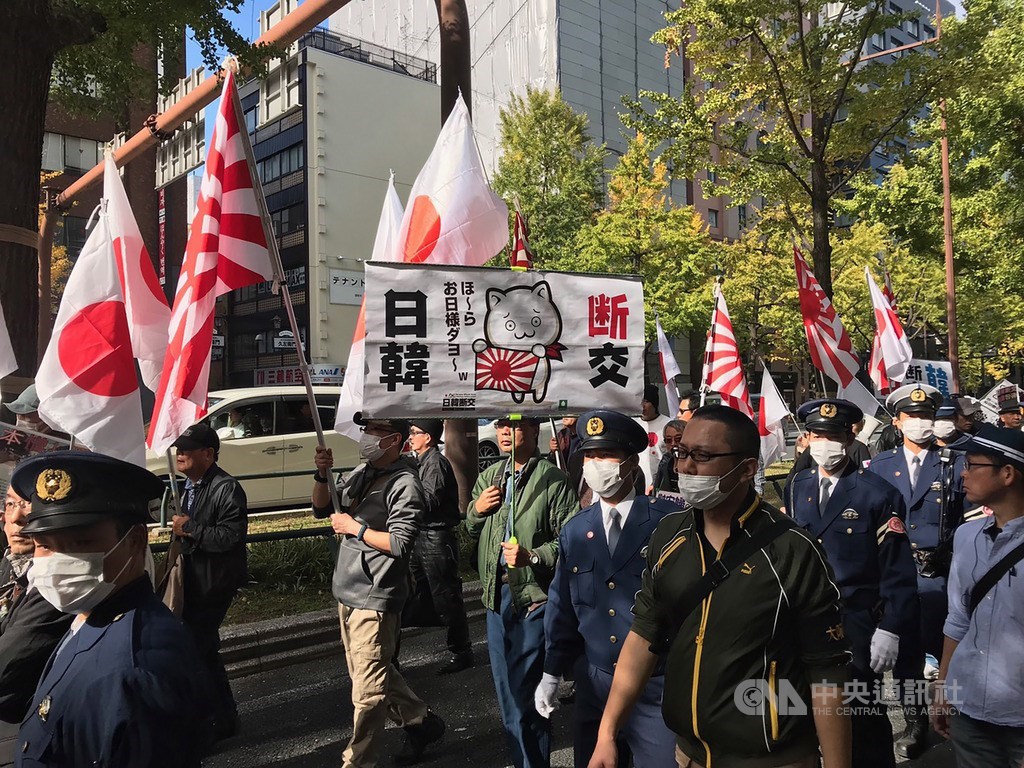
(212, 529)
(434, 565)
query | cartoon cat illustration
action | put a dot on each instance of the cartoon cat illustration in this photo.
(521, 331)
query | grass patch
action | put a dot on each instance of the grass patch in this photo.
(255, 603)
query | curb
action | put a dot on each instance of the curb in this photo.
(261, 646)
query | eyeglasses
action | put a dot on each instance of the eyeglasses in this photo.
(10, 506)
(416, 433)
(969, 465)
(682, 453)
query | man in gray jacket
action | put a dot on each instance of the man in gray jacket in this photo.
(382, 506)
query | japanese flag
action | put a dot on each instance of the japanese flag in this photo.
(771, 415)
(385, 248)
(8, 362)
(86, 382)
(452, 216)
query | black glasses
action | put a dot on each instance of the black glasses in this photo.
(969, 465)
(10, 505)
(415, 433)
(700, 457)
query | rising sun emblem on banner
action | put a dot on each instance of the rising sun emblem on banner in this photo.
(506, 370)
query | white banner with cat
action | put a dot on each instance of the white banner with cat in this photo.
(474, 342)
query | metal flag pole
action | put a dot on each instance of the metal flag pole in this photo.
(707, 347)
(513, 417)
(559, 461)
(172, 475)
(279, 279)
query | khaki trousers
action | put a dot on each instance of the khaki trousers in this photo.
(812, 761)
(378, 690)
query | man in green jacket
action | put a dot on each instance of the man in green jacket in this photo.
(518, 509)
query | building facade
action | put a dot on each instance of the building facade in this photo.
(326, 126)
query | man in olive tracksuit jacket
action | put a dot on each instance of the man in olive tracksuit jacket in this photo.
(516, 558)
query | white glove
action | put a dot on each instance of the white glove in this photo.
(545, 698)
(885, 647)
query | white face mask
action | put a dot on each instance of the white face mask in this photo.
(827, 454)
(944, 429)
(369, 446)
(603, 477)
(73, 583)
(702, 491)
(918, 431)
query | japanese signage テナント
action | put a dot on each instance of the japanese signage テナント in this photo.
(345, 286)
(474, 342)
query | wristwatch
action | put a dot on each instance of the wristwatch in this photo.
(320, 478)
(362, 532)
(534, 558)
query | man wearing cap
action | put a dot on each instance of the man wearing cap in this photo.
(30, 627)
(600, 565)
(211, 527)
(1010, 414)
(435, 557)
(654, 425)
(983, 650)
(518, 509)
(914, 469)
(381, 510)
(858, 519)
(26, 411)
(122, 687)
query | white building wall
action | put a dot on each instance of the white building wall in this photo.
(513, 44)
(361, 123)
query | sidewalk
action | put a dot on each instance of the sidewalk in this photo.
(265, 645)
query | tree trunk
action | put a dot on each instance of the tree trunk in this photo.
(26, 58)
(822, 247)
(453, 22)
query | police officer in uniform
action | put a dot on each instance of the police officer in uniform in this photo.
(125, 687)
(600, 568)
(915, 469)
(858, 518)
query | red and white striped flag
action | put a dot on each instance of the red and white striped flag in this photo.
(771, 415)
(831, 349)
(226, 250)
(890, 351)
(669, 369)
(887, 291)
(521, 255)
(723, 369)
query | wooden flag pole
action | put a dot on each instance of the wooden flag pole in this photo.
(280, 282)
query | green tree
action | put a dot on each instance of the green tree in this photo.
(781, 104)
(643, 232)
(550, 165)
(985, 110)
(95, 54)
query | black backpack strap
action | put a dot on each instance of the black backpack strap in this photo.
(719, 571)
(992, 577)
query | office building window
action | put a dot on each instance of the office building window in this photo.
(289, 219)
(53, 152)
(878, 41)
(741, 215)
(252, 119)
(81, 154)
(282, 163)
(73, 235)
(913, 28)
(713, 218)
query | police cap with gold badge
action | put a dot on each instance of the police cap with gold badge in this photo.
(611, 430)
(829, 415)
(914, 398)
(69, 489)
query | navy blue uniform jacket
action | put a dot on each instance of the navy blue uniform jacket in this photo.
(924, 502)
(590, 601)
(863, 534)
(123, 693)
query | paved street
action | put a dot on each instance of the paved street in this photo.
(301, 715)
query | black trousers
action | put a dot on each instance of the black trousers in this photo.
(872, 731)
(437, 587)
(203, 617)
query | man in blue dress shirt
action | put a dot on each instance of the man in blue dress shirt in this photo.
(983, 652)
(589, 612)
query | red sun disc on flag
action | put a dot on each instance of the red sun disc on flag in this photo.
(424, 229)
(95, 350)
(506, 370)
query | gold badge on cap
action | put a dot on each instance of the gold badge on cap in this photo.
(828, 410)
(44, 708)
(918, 396)
(53, 485)
(595, 426)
